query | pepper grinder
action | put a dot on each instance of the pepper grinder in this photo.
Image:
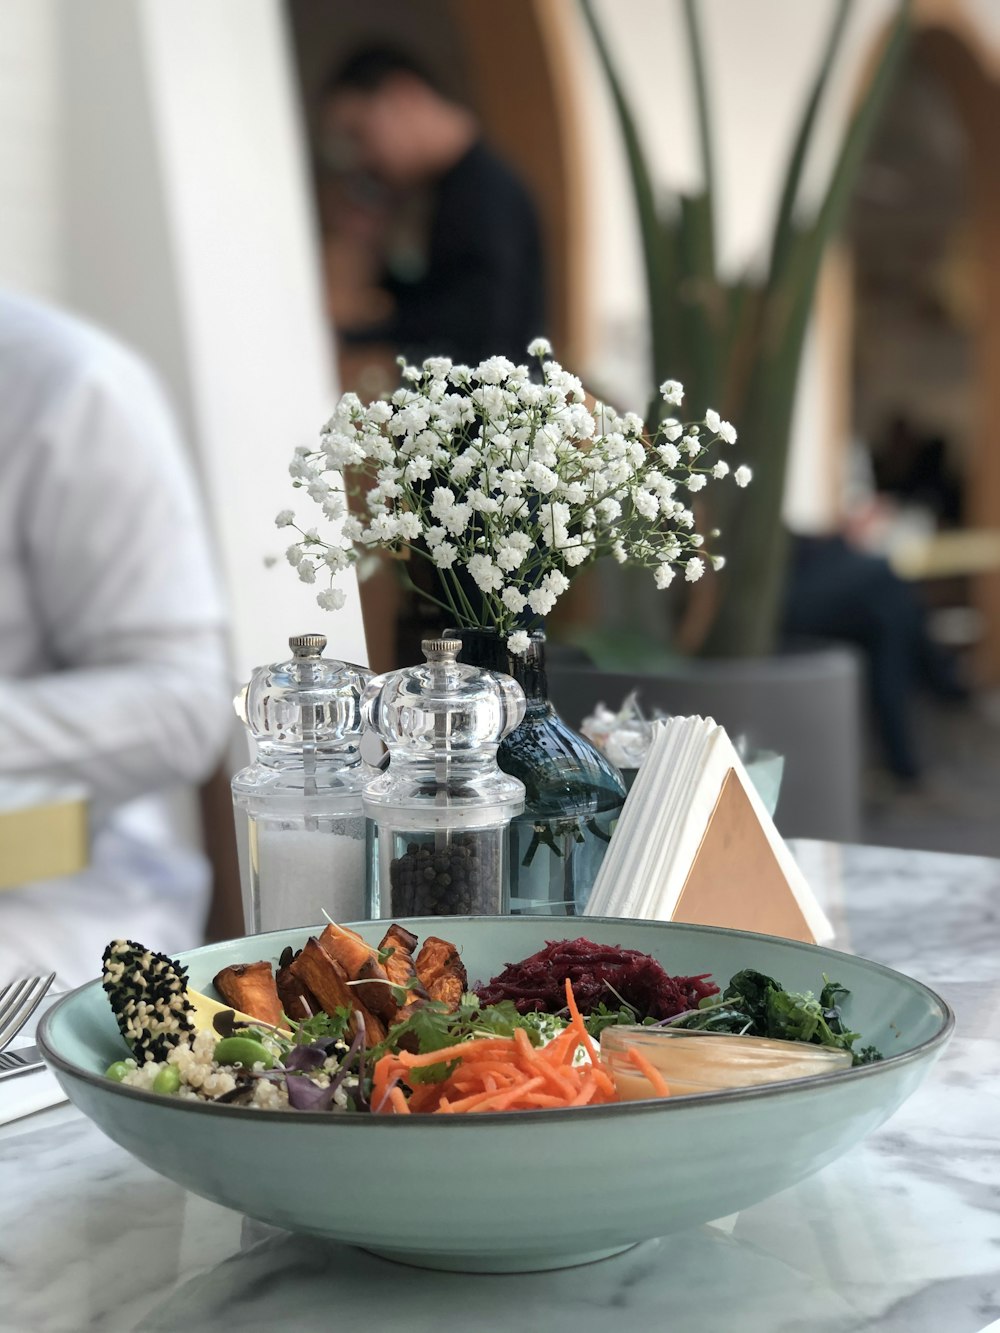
(438, 815)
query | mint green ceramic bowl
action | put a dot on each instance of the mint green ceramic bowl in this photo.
(527, 1190)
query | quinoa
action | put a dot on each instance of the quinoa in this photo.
(202, 1077)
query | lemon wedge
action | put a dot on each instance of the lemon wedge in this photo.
(205, 1010)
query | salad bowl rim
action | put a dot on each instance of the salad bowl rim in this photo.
(553, 1116)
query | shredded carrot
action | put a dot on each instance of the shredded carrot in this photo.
(659, 1083)
(497, 1074)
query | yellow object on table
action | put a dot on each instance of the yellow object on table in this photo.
(944, 555)
(44, 833)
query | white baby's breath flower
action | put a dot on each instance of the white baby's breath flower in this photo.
(484, 573)
(575, 552)
(672, 430)
(519, 642)
(542, 478)
(541, 601)
(331, 599)
(646, 503)
(444, 555)
(456, 520)
(409, 526)
(284, 519)
(718, 562)
(742, 476)
(528, 484)
(442, 502)
(418, 468)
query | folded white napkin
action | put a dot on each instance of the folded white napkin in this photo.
(27, 1094)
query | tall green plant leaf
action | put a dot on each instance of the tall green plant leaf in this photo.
(796, 163)
(656, 247)
(696, 53)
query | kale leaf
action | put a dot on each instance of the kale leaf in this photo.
(757, 1005)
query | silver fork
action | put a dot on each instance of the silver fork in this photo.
(18, 1002)
(21, 1061)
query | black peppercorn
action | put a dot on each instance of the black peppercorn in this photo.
(458, 879)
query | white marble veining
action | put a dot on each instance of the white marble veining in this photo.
(902, 1234)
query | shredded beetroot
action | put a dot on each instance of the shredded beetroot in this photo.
(599, 973)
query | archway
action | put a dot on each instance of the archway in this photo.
(940, 271)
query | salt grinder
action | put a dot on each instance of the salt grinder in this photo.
(299, 814)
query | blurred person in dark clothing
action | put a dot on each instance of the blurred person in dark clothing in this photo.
(836, 591)
(481, 289)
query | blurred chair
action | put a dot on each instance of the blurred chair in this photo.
(806, 706)
(218, 830)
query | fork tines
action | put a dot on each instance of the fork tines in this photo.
(18, 1002)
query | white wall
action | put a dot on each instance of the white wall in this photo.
(259, 356)
(159, 190)
(761, 56)
(30, 162)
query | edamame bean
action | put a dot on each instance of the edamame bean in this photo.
(117, 1071)
(167, 1081)
(243, 1051)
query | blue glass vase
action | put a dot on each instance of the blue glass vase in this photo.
(573, 795)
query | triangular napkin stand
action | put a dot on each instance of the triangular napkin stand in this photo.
(737, 878)
(739, 873)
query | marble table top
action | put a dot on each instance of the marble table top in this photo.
(902, 1234)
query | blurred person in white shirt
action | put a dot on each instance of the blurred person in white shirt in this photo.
(114, 673)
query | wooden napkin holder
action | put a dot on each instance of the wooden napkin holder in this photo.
(737, 879)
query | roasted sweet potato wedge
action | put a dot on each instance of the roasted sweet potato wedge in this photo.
(251, 988)
(347, 948)
(327, 980)
(375, 990)
(399, 938)
(296, 999)
(397, 949)
(441, 971)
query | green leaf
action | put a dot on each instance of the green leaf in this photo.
(697, 57)
(655, 240)
(789, 194)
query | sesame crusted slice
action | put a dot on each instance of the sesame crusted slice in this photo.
(148, 995)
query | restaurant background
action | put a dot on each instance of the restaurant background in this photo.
(158, 175)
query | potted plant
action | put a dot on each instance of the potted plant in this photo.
(738, 342)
